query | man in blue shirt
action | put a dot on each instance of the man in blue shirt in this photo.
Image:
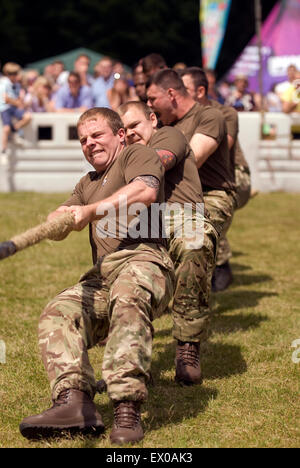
(103, 83)
(12, 113)
(73, 97)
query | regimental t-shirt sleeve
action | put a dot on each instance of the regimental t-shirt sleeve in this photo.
(232, 121)
(138, 160)
(77, 197)
(212, 124)
(170, 139)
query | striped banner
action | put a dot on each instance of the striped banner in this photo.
(213, 21)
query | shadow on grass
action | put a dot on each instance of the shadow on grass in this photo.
(169, 403)
(218, 361)
(231, 300)
(246, 280)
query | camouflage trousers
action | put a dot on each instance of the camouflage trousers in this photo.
(243, 191)
(192, 244)
(118, 298)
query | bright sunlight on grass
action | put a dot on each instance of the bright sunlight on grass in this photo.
(250, 395)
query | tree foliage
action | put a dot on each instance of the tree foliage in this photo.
(125, 30)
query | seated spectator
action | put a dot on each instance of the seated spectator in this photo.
(103, 83)
(272, 102)
(213, 93)
(73, 97)
(81, 66)
(179, 66)
(57, 75)
(39, 99)
(139, 82)
(121, 92)
(12, 110)
(153, 63)
(119, 68)
(28, 79)
(291, 72)
(224, 89)
(291, 96)
(242, 99)
(138, 67)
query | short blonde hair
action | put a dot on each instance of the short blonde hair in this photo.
(11, 68)
(41, 81)
(112, 118)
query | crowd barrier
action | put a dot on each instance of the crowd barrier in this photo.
(52, 160)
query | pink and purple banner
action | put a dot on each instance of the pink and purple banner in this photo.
(280, 36)
(213, 22)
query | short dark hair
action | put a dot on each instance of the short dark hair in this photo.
(113, 119)
(153, 61)
(82, 55)
(167, 78)
(139, 105)
(75, 74)
(198, 76)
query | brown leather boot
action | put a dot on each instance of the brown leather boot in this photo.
(72, 412)
(222, 277)
(188, 370)
(127, 423)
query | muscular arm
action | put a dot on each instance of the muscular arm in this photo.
(167, 158)
(142, 189)
(230, 141)
(288, 107)
(203, 146)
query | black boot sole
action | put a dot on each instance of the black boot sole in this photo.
(187, 383)
(34, 432)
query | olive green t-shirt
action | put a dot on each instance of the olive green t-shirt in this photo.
(182, 182)
(217, 171)
(232, 124)
(119, 230)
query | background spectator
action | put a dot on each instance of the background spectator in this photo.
(179, 66)
(12, 110)
(73, 97)
(137, 67)
(291, 96)
(139, 82)
(28, 79)
(242, 99)
(224, 89)
(153, 63)
(291, 72)
(213, 93)
(121, 92)
(272, 102)
(81, 66)
(103, 83)
(57, 74)
(39, 98)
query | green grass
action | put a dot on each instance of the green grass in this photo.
(250, 396)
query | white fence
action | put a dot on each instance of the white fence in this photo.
(52, 160)
(274, 161)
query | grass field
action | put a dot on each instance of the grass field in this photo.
(250, 396)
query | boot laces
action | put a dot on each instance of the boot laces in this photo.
(62, 398)
(189, 354)
(126, 414)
